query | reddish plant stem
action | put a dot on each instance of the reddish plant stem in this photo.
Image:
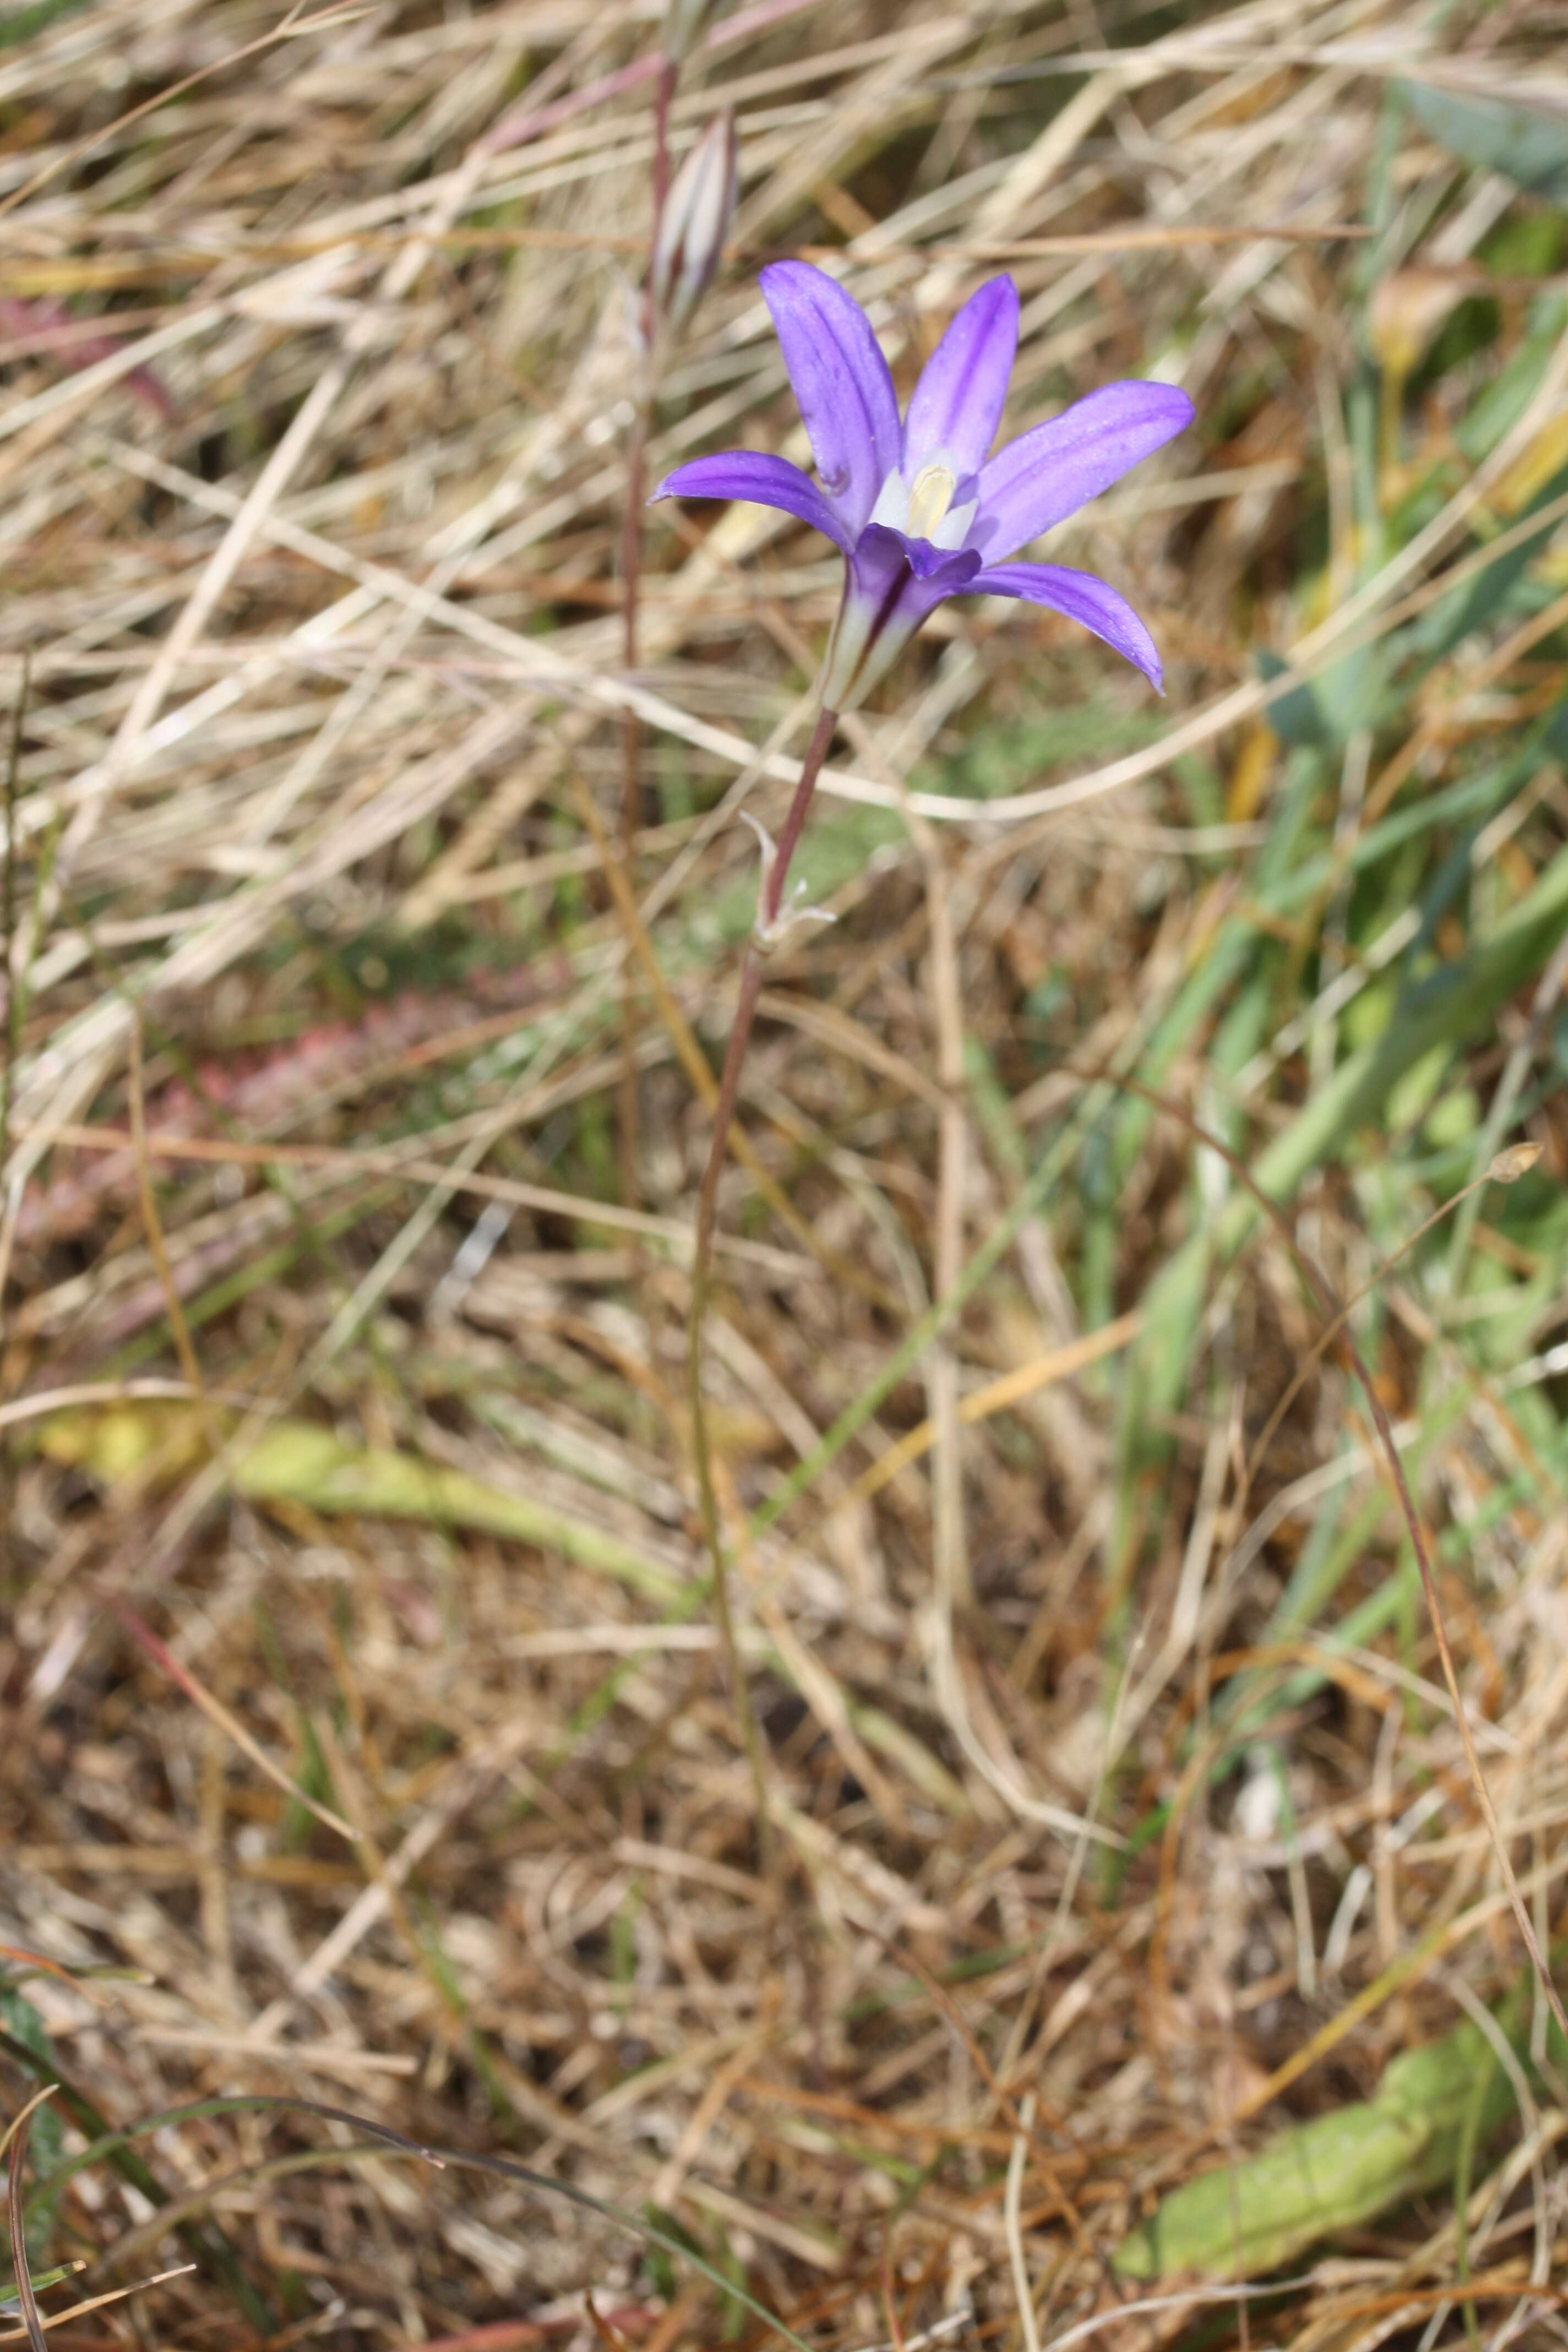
(631, 586)
(770, 902)
(664, 92)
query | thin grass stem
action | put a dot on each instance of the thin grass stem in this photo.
(631, 590)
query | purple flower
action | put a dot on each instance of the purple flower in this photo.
(921, 510)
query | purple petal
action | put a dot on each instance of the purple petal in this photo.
(841, 382)
(1082, 598)
(766, 481)
(1047, 474)
(951, 567)
(957, 403)
(886, 569)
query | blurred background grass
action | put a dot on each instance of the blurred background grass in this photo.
(364, 1737)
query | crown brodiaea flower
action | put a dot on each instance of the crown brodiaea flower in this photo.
(919, 507)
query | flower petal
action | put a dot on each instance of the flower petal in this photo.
(766, 481)
(957, 403)
(948, 568)
(1047, 474)
(1082, 598)
(841, 382)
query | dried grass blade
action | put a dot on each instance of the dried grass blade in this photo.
(164, 1658)
(31, 2320)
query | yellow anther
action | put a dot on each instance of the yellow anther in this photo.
(930, 495)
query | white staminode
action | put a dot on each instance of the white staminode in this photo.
(923, 507)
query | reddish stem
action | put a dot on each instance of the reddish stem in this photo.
(772, 901)
(664, 92)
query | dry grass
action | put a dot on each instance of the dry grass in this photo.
(1122, 1812)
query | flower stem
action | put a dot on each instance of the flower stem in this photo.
(772, 900)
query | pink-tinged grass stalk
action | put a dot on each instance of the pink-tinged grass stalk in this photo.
(631, 584)
(689, 221)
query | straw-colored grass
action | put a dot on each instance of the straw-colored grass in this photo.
(363, 1734)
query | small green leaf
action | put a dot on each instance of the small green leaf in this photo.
(25, 24)
(1294, 716)
(1528, 147)
(1336, 2173)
